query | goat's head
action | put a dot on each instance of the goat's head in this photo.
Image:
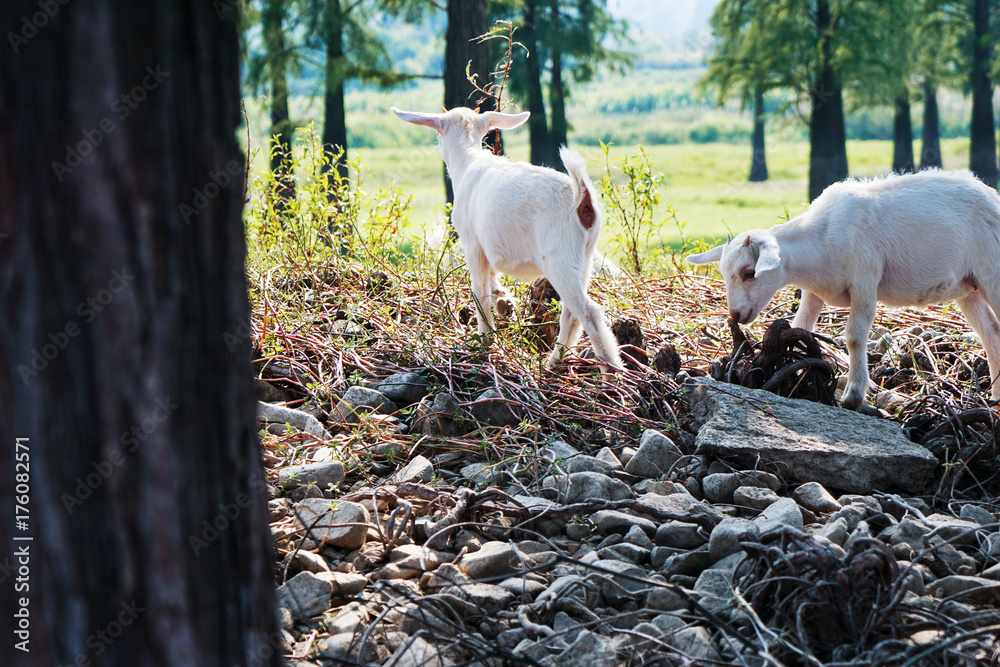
(464, 126)
(751, 266)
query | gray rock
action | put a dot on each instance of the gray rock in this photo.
(412, 560)
(665, 599)
(307, 561)
(637, 536)
(680, 535)
(580, 486)
(418, 652)
(976, 513)
(349, 619)
(584, 463)
(489, 598)
(492, 561)
(891, 401)
(523, 587)
(655, 456)
(688, 562)
(835, 531)
(479, 473)
(344, 584)
(716, 589)
(607, 456)
(618, 585)
(303, 421)
(359, 401)
(726, 537)
(491, 408)
(955, 531)
(589, 649)
(419, 469)
(978, 590)
(613, 521)
(785, 512)
(441, 416)
(335, 523)
(806, 441)
(625, 552)
(559, 450)
(321, 474)
(345, 646)
(404, 388)
(696, 643)
(285, 620)
(815, 498)
(754, 497)
(305, 595)
(680, 503)
(720, 487)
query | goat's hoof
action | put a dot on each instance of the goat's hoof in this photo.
(505, 306)
(852, 400)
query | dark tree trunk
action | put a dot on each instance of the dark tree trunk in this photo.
(125, 372)
(902, 136)
(557, 98)
(281, 125)
(334, 113)
(983, 151)
(827, 137)
(930, 151)
(538, 127)
(758, 164)
(467, 20)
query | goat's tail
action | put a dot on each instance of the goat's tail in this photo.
(583, 187)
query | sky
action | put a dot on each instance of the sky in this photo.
(664, 17)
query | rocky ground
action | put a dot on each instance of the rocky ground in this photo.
(467, 511)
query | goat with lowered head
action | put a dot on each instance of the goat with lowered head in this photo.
(523, 221)
(904, 240)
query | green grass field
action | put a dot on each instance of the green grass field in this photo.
(705, 183)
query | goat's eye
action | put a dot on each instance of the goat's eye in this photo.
(749, 274)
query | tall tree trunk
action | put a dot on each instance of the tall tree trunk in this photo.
(983, 151)
(758, 164)
(125, 375)
(930, 150)
(334, 113)
(540, 148)
(902, 136)
(827, 137)
(467, 20)
(557, 98)
(272, 18)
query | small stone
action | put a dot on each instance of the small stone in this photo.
(492, 409)
(679, 503)
(336, 523)
(580, 486)
(492, 561)
(348, 619)
(403, 388)
(589, 649)
(784, 512)
(523, 587)
(975, 513)
(891, 401)
(358, 401)
(978, 590)
(607, 456)
(583, 463)
(680, 535)
(489, 598)
(344, 584)
(814, 497)
(441, 416)
(719, 487)
(419, 469)
(726, 537)
(345, 646)
(696, 644)
(613, 521)
(835, 531)
(578, 531)
(417, 652)
(307, 561)
(665, 599)
(716, 589)
(321, 474)
(279, 508)
(754, 497)
(655, 456)
(637, 536)
(616, 590)
(625, 552)
(304, 595)
(558, 450)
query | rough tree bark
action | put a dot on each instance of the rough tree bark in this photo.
(540, 145)
(334, 111)
(827, 136)
(930, 151)
(758, 164)
(467, 20)
(124, 348)
(272, 23)
(983, 151)
(902, 136)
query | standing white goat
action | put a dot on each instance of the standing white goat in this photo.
(523, 221)
(904, 240)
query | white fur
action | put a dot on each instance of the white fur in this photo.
(904, 240)
(521, 220)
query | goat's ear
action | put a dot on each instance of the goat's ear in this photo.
(431, 120)
(707, 257)
(506, 121)
(769, 257)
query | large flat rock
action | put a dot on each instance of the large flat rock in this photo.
(806, 441)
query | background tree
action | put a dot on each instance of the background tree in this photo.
(127, 257)
(983, 148)
(274, 70)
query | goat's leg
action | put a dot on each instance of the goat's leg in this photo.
(808, 313)
(574, 297)
(480, 273)
(859, 324)
(983, 319)
(500, 296)
(569, 334)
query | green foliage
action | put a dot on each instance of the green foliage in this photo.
(630, 193)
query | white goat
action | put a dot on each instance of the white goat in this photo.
(523, 221)
(904, 240)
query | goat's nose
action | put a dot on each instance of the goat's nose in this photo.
(734, 315)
